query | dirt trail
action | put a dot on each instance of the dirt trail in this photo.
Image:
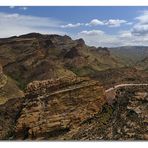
(122, 85)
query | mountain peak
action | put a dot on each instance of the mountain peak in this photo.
(80, 42)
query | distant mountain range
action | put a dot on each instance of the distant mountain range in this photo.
(130, 55)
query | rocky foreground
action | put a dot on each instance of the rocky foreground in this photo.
(52, 108)
(125, 119)
(75, 108)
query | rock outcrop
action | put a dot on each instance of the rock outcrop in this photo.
(3, 78)
(125, 119)
(8, 88)
(9, 112)
(55, 107)
(11, 98)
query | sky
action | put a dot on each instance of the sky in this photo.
(99, 26)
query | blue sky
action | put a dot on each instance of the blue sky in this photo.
(98, 26)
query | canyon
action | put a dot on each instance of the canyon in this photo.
(56, 88)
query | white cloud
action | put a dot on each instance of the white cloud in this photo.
(121, 38)
(125, 34)
(94, 22)
(141, 27)
(91, 32)
(136, 35)
(71, 25)
(140, 30)
(16, 24)
(98, 38)
(115, 22)
(143, 18)
(110, 22)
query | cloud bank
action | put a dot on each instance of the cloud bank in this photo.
(16, 24)
(97, 22)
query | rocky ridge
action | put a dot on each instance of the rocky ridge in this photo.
(125, 119)
(59, 105)
(53, 108)
(35, 56)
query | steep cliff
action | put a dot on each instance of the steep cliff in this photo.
(125, 119)
(8, 88)
(54, 108)
(11, 98)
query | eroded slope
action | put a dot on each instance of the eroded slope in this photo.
(53, 108)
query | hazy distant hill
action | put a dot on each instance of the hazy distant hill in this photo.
(130, 54)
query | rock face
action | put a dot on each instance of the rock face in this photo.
(53, 108)
(35, 56)
(125, 119)
(2, 77)
(8, 88)
(8, 115)
(75, 108)
(132, 109)
(126, 75)
(10, 104)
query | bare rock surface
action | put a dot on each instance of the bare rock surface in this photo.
(55, 107)
(125, 119)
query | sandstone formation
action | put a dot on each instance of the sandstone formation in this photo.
(52, 108)
(125, 119)
(9, 112)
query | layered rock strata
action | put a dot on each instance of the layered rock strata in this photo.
(55, 107)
